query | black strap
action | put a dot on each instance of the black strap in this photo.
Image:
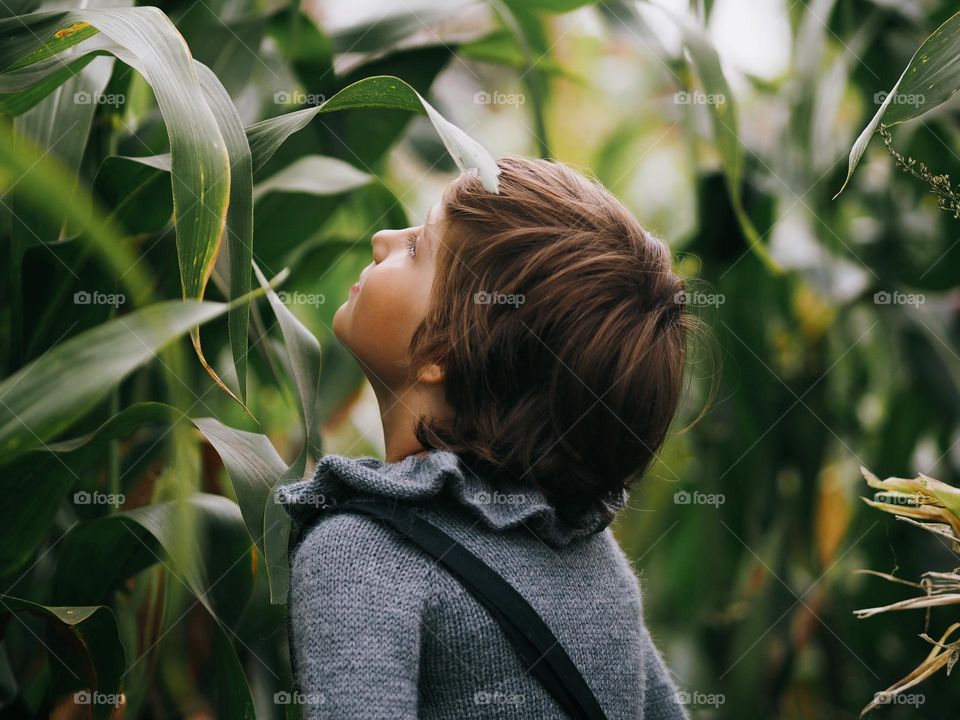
(538, 648)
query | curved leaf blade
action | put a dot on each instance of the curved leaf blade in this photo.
(930, 79)
(85, 368)
(379, 92)
(94, 631)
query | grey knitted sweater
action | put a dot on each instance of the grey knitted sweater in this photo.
(379, 630)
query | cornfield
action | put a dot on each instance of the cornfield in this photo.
(187, 190)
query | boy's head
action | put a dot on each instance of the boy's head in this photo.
(553, 322)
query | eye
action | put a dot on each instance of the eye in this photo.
(412, 242)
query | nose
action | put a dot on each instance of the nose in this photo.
(382, 242)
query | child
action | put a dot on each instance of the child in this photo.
(527, 353)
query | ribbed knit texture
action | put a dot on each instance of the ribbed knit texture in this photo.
(379, 630)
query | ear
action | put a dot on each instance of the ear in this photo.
(431, 374)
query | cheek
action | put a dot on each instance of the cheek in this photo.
(378, 323)
(382, 310)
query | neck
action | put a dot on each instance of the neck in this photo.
(399, 411)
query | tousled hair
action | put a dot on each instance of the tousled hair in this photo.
(562, 332)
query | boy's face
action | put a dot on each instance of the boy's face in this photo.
(390, 300)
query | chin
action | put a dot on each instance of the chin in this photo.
(338, 322)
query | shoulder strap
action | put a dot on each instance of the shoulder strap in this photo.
(538, 648)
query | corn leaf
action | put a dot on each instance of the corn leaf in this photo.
(723, 113)
(379, 92)
(85, 368)
(94, 632)
(930, 79)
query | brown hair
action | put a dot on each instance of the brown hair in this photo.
(561, 329)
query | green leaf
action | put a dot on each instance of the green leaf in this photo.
(530, 36)
(60, 125)
(137, 191)
(303, 352)
(39, 484)
(41, 479)
(314, 175)
(15, 101)
(97, 555)
(93, 630)
(85, 368)
(119, 426)
(380, 92)
(253, 466)
(146, 39)
(930, 79)
(388, 28)
(723, 113)
(500, 47)
(39, 36)
(51, 185)
(239, 227)
(234, 699)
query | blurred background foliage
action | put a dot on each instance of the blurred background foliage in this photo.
(807, 374)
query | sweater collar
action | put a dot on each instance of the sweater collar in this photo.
(438, 474)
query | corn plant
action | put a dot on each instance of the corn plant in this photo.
(933, 506)
(171, 177)
(124, 160)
